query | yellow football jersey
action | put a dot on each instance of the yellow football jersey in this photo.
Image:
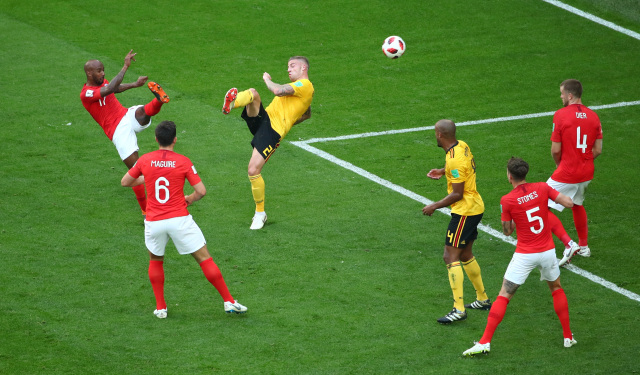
(284, 111)
(460, 167)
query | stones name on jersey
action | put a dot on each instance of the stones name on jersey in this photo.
(526, 198)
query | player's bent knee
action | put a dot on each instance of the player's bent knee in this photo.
(255, 95)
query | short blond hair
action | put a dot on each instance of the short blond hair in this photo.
(301, 58)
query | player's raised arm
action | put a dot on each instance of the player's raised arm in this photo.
(126, 86)
(276, 89)
(117, 80)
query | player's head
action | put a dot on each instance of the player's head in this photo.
(166, 133)
(94, 69)
(445, 131)
(570, 90)
(298, 67)
(517, 169)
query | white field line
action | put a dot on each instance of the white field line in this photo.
(466, 123)
(593, 18)
(305, 145)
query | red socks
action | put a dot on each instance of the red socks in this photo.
(557, 228)
(561, 306)
(153, 107)
(156, 276)
(580, 220)
(141, 196)
(213, 274)
(498, 309)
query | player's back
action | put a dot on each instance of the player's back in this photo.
(577, 128)
(527, 206)
(165, 173)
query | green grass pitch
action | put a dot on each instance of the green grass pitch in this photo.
(347, 276)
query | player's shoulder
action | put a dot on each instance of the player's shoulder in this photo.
(302, 83)
(89, 92)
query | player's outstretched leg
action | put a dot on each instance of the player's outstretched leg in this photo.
(157, 90)
(229, 99)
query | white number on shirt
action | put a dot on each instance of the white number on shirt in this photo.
(582, 145)
(161, 186)
(535, 218)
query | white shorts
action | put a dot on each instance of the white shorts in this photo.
(521, 266)
(183, 231)
(573, 191)
(124, 138)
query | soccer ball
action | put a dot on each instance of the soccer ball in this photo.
(393, 47)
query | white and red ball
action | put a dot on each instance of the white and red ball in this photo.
(393, 47)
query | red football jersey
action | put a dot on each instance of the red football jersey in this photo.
(106, 111)
(527, 206)
(164, 174)
(577, 128)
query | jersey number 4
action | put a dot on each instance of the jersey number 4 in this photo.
(581, 145)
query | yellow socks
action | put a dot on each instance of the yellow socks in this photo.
(456, 277)
(257, 189)
(245, 97)
(472, 268)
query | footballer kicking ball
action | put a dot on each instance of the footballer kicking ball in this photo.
(393, 47)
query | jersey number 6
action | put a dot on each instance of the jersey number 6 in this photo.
(161, 186)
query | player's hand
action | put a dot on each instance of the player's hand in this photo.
(141, 81)
(266, 76)
(129, 58)
(428, 210)
(435, 174)
(186, 199)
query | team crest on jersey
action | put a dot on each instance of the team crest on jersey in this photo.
(455, 173)
(297, 83)
(89, 94)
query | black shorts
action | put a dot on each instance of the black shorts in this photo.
(462, 230)
(265, 139)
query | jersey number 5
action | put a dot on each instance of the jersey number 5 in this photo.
(162, 190)
(533, 218)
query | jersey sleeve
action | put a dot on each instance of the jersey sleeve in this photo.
(135, 171)
(505, 209)
(92, 94)
(556, 133)
(301, 88)
(552, 193)
(192, 174)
